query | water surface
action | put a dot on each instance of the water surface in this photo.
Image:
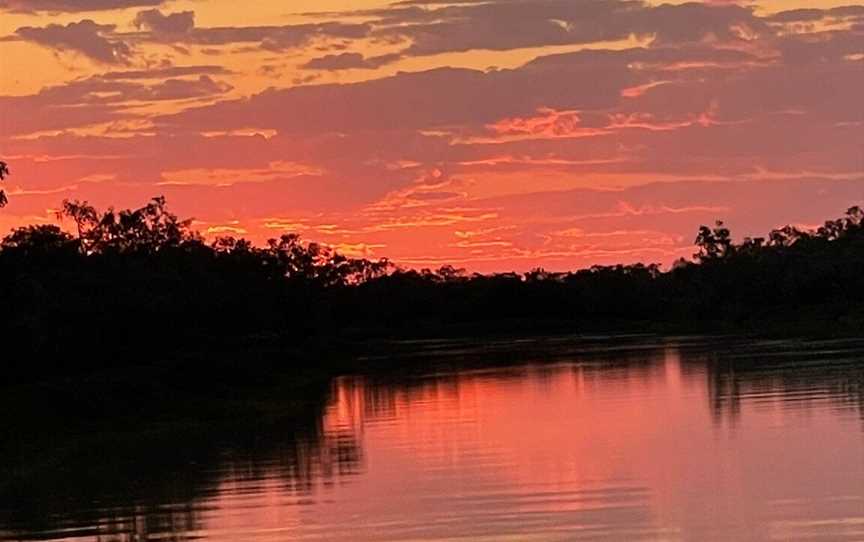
(553, 439)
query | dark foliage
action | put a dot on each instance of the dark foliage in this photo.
(130, 285)
(133, 283)
(4, 172)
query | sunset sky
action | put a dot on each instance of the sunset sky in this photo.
(489, 134)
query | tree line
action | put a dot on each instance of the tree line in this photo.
(127, 286)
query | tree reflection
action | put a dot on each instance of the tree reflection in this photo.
(163, 485)
(802, 375)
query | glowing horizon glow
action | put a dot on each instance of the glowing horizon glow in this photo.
(495, 135)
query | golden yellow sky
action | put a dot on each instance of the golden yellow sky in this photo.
(27, 67)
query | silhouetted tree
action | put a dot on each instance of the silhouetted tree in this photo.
(450, 273)
(150, 228)
(231, 246)
(714, 243)
(86, 220)
(751, 245)
(786, 236)
(30, 240)
(4, 172)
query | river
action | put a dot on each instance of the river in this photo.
(559, 438)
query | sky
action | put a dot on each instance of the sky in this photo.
(489, 134)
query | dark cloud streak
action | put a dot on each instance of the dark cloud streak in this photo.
(73, 6)
(95, 41)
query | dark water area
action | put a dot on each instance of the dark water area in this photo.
(618, 438)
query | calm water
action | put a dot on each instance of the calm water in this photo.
(556, 439)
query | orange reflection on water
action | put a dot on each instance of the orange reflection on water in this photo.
(608, 448)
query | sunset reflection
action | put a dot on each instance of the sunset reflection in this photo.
(550, 451)
(670, 439)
